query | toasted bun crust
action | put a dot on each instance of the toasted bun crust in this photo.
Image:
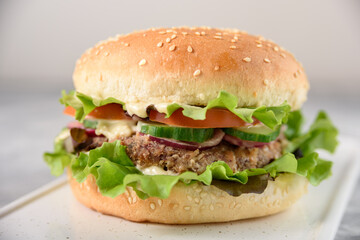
(190, 66)
(193, 204)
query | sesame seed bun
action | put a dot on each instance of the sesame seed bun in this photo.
(193, 204)
(190, 66)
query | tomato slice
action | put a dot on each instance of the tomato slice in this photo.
(69, 111)
(109, 111)
(215, 118)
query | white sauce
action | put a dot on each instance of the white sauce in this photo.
(63, 135)
(139, 109)
(155, 170)
(161, 107)
(113, 129)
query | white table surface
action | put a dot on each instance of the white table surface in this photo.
(30, 121)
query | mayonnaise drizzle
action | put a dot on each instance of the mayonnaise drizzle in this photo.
(139, 109)
(113, 129)
(155, 170)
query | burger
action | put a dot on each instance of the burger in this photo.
(189, 125)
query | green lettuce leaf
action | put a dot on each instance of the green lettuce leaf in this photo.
(321, 135)
(314, 169)
(84, 104)
(270, 116)
(60, 158)
(294, 124)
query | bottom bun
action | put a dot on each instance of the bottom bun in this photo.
(192, 204)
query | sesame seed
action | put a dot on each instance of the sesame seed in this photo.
(172, 48)
(197, 33)
(217, 37)
(162, 32)
(237, 205)
(258, 45)
(168, 40)
(202, 33)
(144, 34)
(233, 47)
(160, 44)
(189, 49)
(233, 40)
(187, 208)
(197, 73)
(216, 68)
(184, 33)
(152, 206)
(142, 62)
(258, 41)
(189, 197)
(169, 31)
(266, 82)
(267, 60)
(173, 36)
(211, 207)
(130, 199)
(101, 47)
(276, 49)
(246, 59)
(126, 44)
(97, 52)
(218, 33)
(106, 53)
(160, 202)
(268, 44)
(236, 38)
(295, 74)
(283, 55)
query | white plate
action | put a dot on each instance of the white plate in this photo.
(51, 212)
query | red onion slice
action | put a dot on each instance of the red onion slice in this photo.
(238, 142)
(215, 140)
(75, 124)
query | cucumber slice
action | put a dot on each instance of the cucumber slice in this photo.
(260, 133)
(198, 135)
(90, 123)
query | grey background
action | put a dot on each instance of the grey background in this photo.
(40, 41)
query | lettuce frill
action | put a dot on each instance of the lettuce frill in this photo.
(270, 116)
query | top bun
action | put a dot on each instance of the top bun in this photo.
(191, 66)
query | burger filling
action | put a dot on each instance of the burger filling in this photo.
(212, 144)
